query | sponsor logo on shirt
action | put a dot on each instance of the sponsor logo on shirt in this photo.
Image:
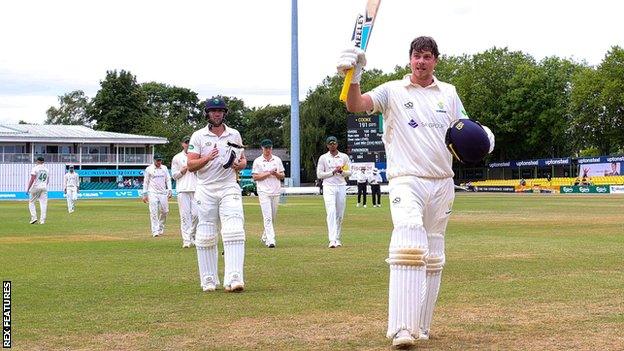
(413, 123)
(396, 200)
(433, 125)
(191, 147)
(409, 105)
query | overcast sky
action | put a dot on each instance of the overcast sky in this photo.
(242, 47)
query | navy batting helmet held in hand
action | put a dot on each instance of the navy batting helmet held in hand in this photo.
(468, 141)
(215, 103)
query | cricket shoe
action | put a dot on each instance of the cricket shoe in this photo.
(186, 245)
(338, 243)
(364, 206)
(403, 340)
(423, 335)
(358, 205)
(271, 245)
(236, 284)
(41, 222)
(33, 221)
(155, 235)
(332, 244)
(209, 283)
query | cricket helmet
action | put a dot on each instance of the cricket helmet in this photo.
(215, 103)
(468, 141)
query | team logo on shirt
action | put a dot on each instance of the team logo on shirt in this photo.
(208, 143)
(412, 123)
(440, 107)
(396, 200)
(409, 105)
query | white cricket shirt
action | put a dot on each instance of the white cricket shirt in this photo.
(184, 182)
(326, 165)
(374, 178)
(156, 180)
(41, 174)
(361, 177)
(269, 185)
(202, 141)
(415, 122)
(71, 180)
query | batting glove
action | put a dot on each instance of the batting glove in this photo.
(352, 57)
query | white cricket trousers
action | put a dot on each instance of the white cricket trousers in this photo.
(268, 205)
(72, 196)
(334, 197)
(188, 216)
(40, 194)
(420, 209)
(159, 208)
(220, 205)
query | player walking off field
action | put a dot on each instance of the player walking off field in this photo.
(215, 153)
(333, 167)
(268, 171)
(71, 186)
(38, 190)
(157, 191)
(185, 187)
(417, 112)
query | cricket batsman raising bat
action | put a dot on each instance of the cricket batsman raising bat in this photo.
(360, 37)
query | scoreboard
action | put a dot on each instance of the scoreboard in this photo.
(364, 142)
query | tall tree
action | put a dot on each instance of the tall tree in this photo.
(72, 110)
(170, 112)
(120, 104)
(266, 122)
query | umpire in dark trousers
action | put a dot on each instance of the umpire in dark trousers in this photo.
(375, 182)
(362, 182)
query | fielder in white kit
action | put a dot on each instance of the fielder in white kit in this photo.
(38, 190)
(71, 186)
(215, 153)
(333, 167)
(268, 171)
(157, 191)
(185, 187)
(417, 110)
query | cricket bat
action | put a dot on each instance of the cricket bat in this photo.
(361, 36)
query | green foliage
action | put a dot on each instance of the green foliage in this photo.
(120, 104)
(267, 122)
(72, 110)
(597, 104)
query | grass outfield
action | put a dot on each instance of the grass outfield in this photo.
(524, 272)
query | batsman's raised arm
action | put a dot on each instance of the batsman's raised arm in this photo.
(354, 58)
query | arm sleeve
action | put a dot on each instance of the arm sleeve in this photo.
(175, 168)
(169, 187)
(347, 172)
(255, 167)
(379, 96)
(457, 107)
(194, 144)
(146, 180)
(280, 166)
(321, 173)
(65, 181)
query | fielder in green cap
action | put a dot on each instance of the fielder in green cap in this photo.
(268, 172)
(157, 191)
(333, 168)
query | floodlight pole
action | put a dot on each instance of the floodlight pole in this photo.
(295, 165)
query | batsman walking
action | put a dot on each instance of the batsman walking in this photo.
(215, 153)
(417, 110)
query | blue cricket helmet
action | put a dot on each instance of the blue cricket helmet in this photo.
(468, 141)
(215, 103)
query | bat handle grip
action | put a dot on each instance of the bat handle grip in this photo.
(345, 86)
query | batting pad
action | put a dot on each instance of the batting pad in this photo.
(206, 235)
(435, 262)
(234, 257)
(407, 253)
